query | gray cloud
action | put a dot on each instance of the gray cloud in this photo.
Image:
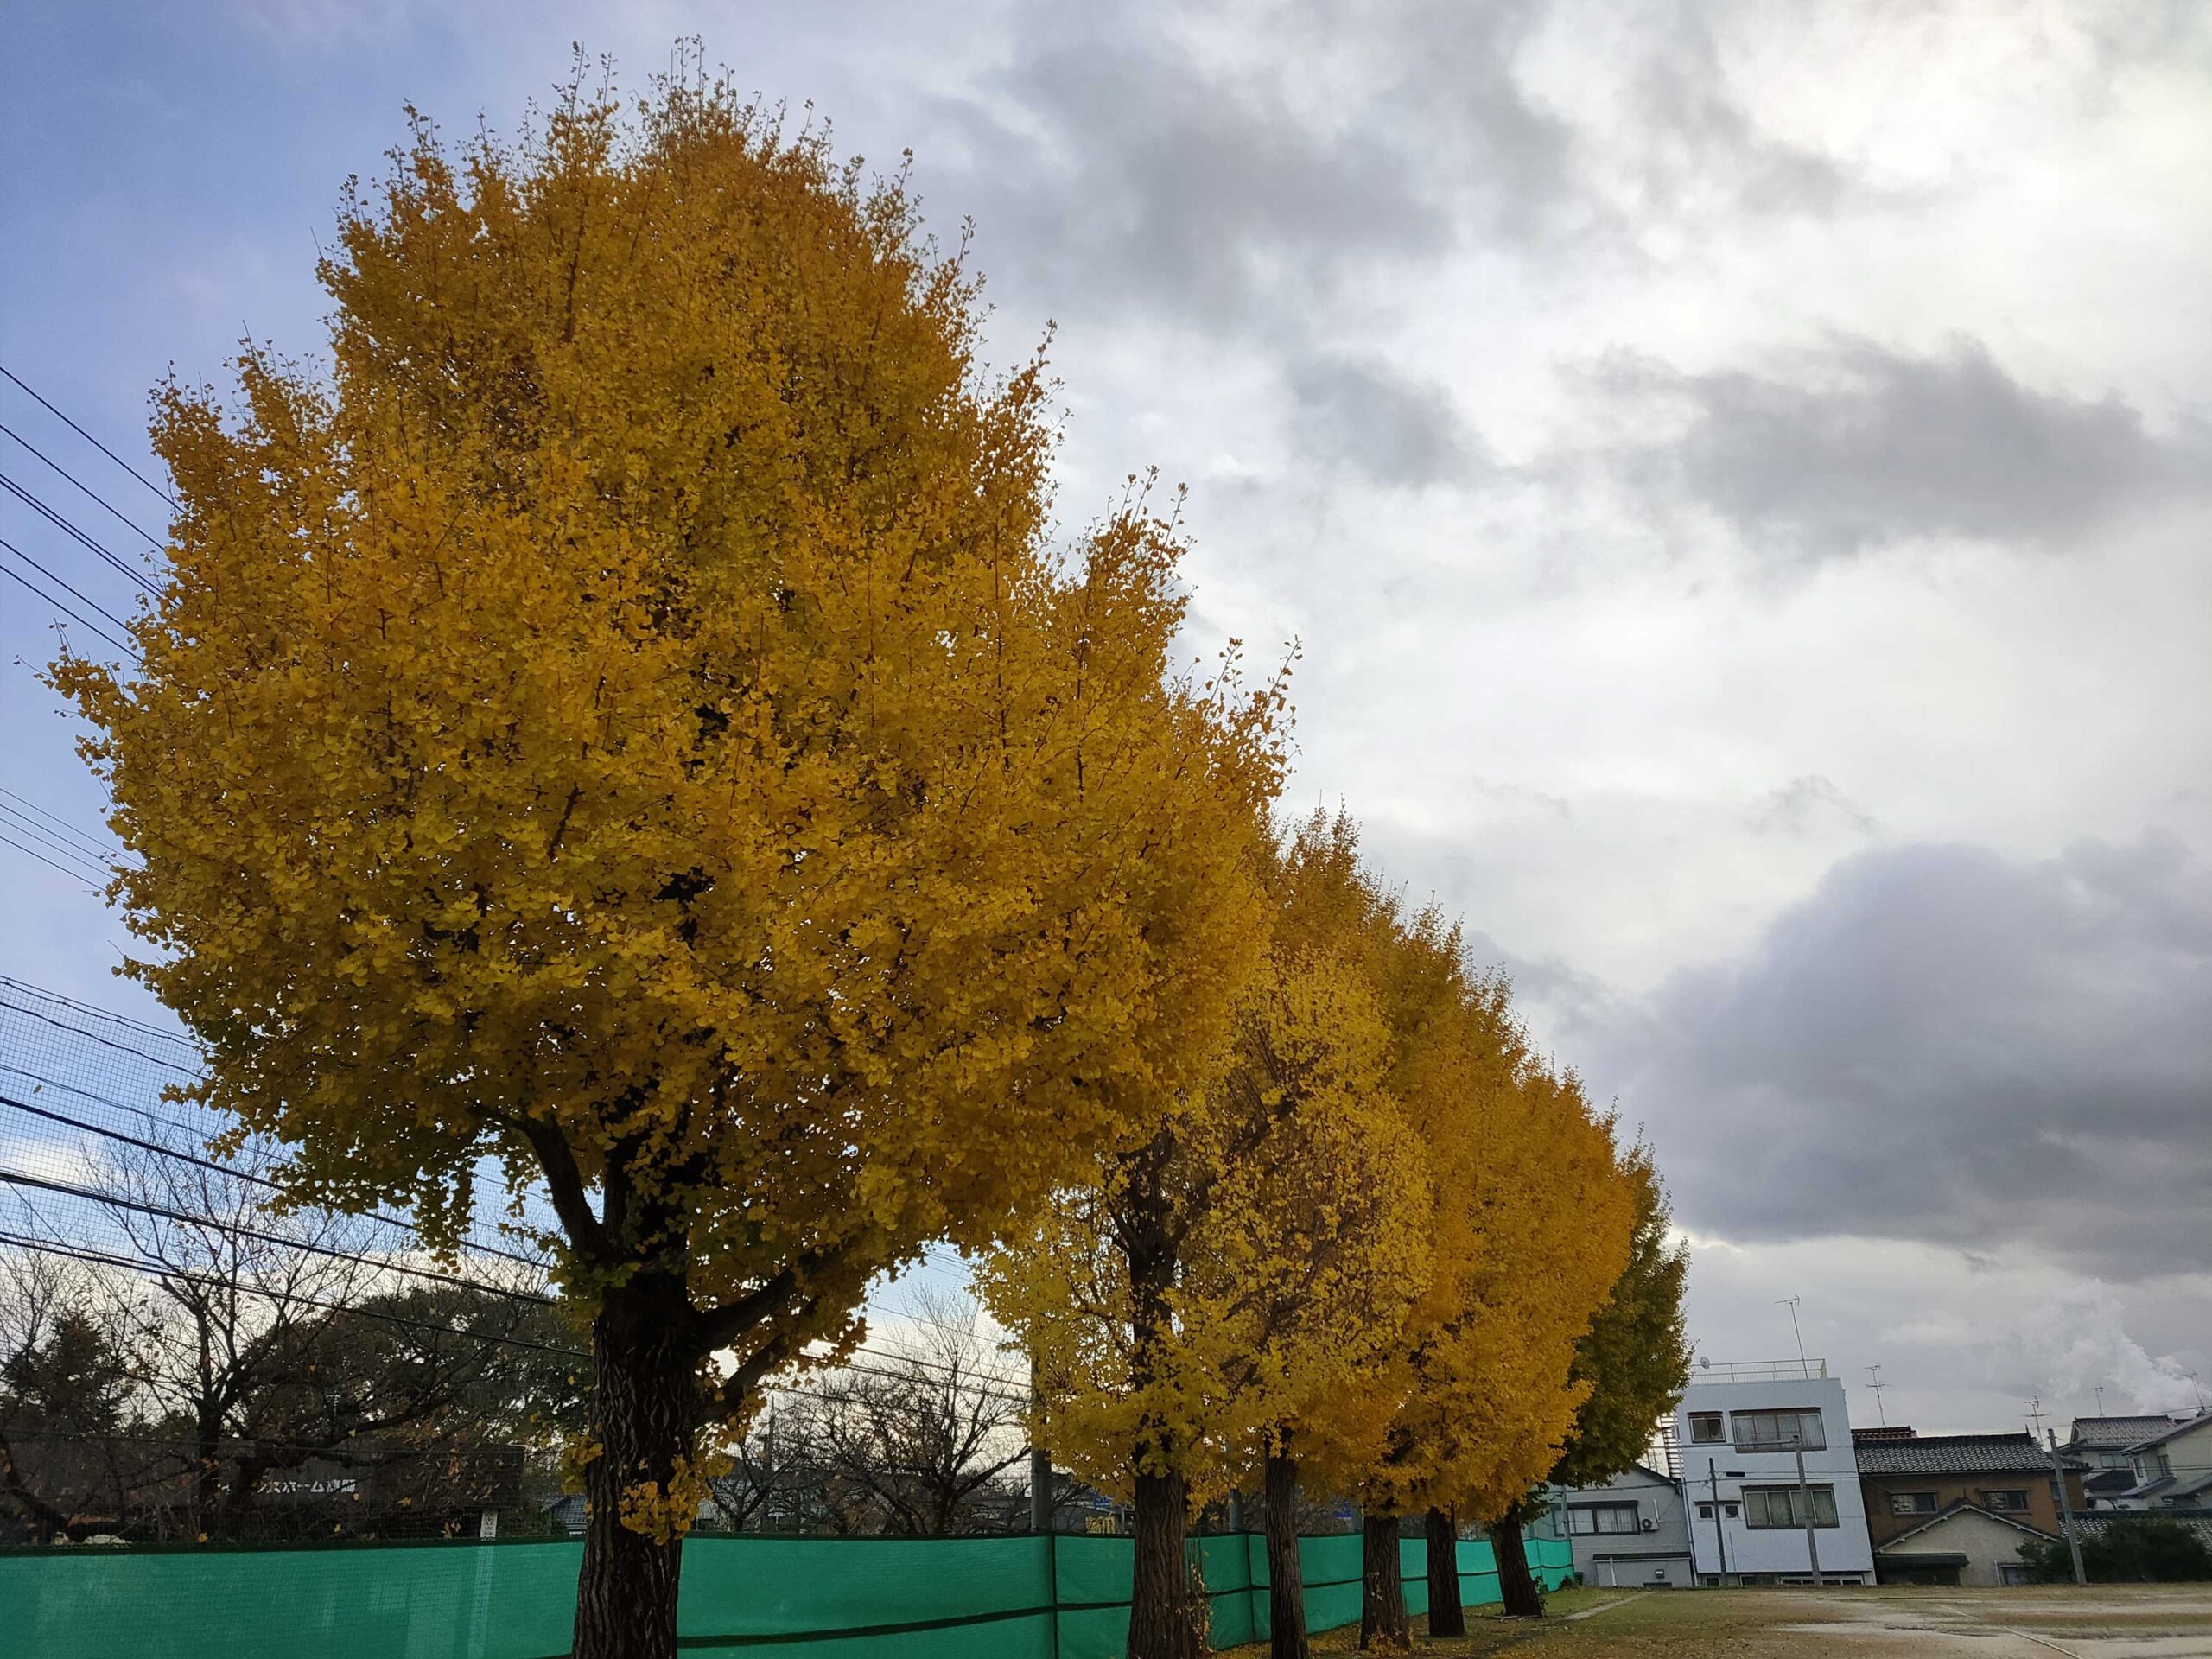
(1869, 445)
(1942, 1044)
(1807, 805)
(1362, 413)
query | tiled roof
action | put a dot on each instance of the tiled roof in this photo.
(2167, 1430)
(2118, 1433)
(1954, 1454)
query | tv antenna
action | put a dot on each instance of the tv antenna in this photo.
(1790, 1302)
(2036, 1415)
(2100, 1392)
(1874, 1382)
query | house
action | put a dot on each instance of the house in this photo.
(1632, 1529)
(1961, 1543)
(1768, 1470)
(2172, 1468)
(2103, 1443)
(1908, 1478)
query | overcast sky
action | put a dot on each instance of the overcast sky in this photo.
(1740, 476)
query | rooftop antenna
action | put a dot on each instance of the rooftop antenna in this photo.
(2199, 1387)
(2036, 1415)
(2100, 1392)
(1874, 1382)
(1790, 1302)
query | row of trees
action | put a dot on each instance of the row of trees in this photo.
(629, 725)
(1385, 1249)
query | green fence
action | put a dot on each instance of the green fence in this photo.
(1063, 1597)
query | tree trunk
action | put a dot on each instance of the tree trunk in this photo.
(1163, 1615)
(1517, 1585)
(1285, 1578)
(644, 1408)
(1445, 1615)
(1383, 1621)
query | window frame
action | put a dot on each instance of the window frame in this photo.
(1594, 1511)
(1759, 1500)
(1991, 1494)
(1720, 1421)
(1817, 1429)
(1899, 1505)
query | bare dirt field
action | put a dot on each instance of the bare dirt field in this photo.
(2100, 1622)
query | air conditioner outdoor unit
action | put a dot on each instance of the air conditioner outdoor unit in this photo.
(1646, 1525)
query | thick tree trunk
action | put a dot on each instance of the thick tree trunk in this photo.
(1285, 1578)
(1163, 1615)
(1382, 1622)
(645, 1409)
(1445, 1615)
(1517, 1585)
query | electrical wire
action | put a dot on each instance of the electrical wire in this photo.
(48, 599)
(99, 501)
(71, 530)
(87, 436)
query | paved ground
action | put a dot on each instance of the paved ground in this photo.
(2101, 1622)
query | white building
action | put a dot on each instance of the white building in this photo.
(1744, 1430)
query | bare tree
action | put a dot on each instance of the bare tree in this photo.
(921, 1439)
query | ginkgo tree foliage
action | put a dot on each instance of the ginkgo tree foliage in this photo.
(1214, 1277)
(1634, 1360)
(1529, 1226)
(625, 718)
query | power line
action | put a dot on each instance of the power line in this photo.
(99, 501)
(8, 981)
(49, 863)
(67, 1189)
(61, 582)
(89, 438)
(24, 824)
(105, 853)
(227, 1171)
(73, 533)
(48, 599)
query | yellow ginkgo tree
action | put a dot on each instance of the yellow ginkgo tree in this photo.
(626, 721)
(1212, 1280)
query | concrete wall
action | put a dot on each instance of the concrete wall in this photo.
(1989, 1546)
(1720, 1473)
(1661, 1556)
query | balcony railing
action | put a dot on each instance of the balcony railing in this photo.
(1757, 1371)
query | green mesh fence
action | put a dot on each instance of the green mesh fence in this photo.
(1019, 1598)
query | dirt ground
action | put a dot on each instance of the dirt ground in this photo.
(2100, 1622)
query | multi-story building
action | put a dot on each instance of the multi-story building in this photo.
(1955, 1509)
(2172, 1468)
(1770, 1477)
(2103, 1443)
(1632, 1529)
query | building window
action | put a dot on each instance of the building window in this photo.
(1583, 1519)
(1912, 1503)
(1705, 1428)
(2005, 1500)
(1780, 1506)
(1781, 1430)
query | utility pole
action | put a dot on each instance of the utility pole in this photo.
(1719, 1530)
(1790, 1302)
(2065, 1507)
(1874, 1382)
(1805, 1497)
(1040, 1461)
